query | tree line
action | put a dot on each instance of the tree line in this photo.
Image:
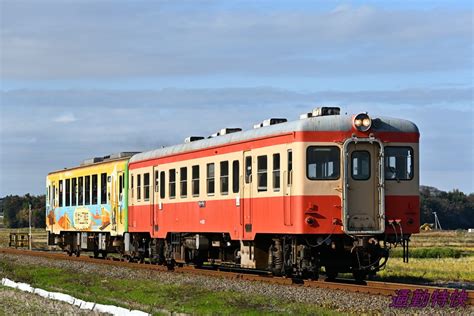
(455, 209)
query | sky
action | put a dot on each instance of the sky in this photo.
(80, 79)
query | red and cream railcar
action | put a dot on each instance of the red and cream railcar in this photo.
(327, 190)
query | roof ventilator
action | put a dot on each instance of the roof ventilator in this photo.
(191, 139)
(322, 111)
(271, 121)
(225, 131)
(94, 160)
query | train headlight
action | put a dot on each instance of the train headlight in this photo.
(362, 122)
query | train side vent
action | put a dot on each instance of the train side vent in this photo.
(191, 139)
(271, 121)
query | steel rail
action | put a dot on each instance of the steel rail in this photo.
(368, 287)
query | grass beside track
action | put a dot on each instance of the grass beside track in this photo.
(151, 297)
(429, 270)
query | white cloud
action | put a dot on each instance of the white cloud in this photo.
(65, 118)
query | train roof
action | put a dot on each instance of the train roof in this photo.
(319, 123)
(92, 162)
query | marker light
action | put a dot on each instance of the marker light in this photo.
(362, 122)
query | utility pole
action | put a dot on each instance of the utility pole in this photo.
(437, 223)
(29, 220)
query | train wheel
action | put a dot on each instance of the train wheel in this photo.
(331, 273)
(359, 276)
(78, 253)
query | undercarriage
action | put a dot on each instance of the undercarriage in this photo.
(299, 256)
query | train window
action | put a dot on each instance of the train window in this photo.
(398, 163)
(68, 192)
(157, 181)
(172, 183)
(162, 184)
(276, 172)
(224, 168)
(120, 187)
(80, 191)
(360, 165)
(95, 188)
(103, 188)
(290, 167)
(262, 175)
(248, 169)
(235, 176)
(323, 163)
(139, 184)
(74, 192)
(146, 186)
(183, 182)
(61, 193)
(195, 180)
(87, 190)
(54, 196)
(210, 178)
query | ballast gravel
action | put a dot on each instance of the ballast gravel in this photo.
(15, 302)
(334, 299)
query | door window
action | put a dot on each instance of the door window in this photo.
(360, 165)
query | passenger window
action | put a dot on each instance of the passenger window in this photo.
(54, 196)
(276, 172)
(323, 163)
(360, 165)
(139, 184)
(146, 186)
(172, 183)
(94, 189)
(248, 169)
(80, 188)
(74, 192)
(103, 188)
(162, 184)
(120, 187)
(235, 176)
(398, 163)
(183, 183)
(60, 193)
(68, 192)
(88, 190)
(210, 178)
(157, 182)
(262, 176)
(224, 177)
(195, 180)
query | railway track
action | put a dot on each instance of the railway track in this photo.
(369, 287)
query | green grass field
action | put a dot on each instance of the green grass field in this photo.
(151, 296)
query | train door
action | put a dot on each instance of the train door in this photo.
(156, 201)
(247, 194)
(363, 190)
(287, 182)
(119, 206)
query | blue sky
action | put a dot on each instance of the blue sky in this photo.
(88, 78)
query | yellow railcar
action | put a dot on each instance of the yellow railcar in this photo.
(86, 207)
